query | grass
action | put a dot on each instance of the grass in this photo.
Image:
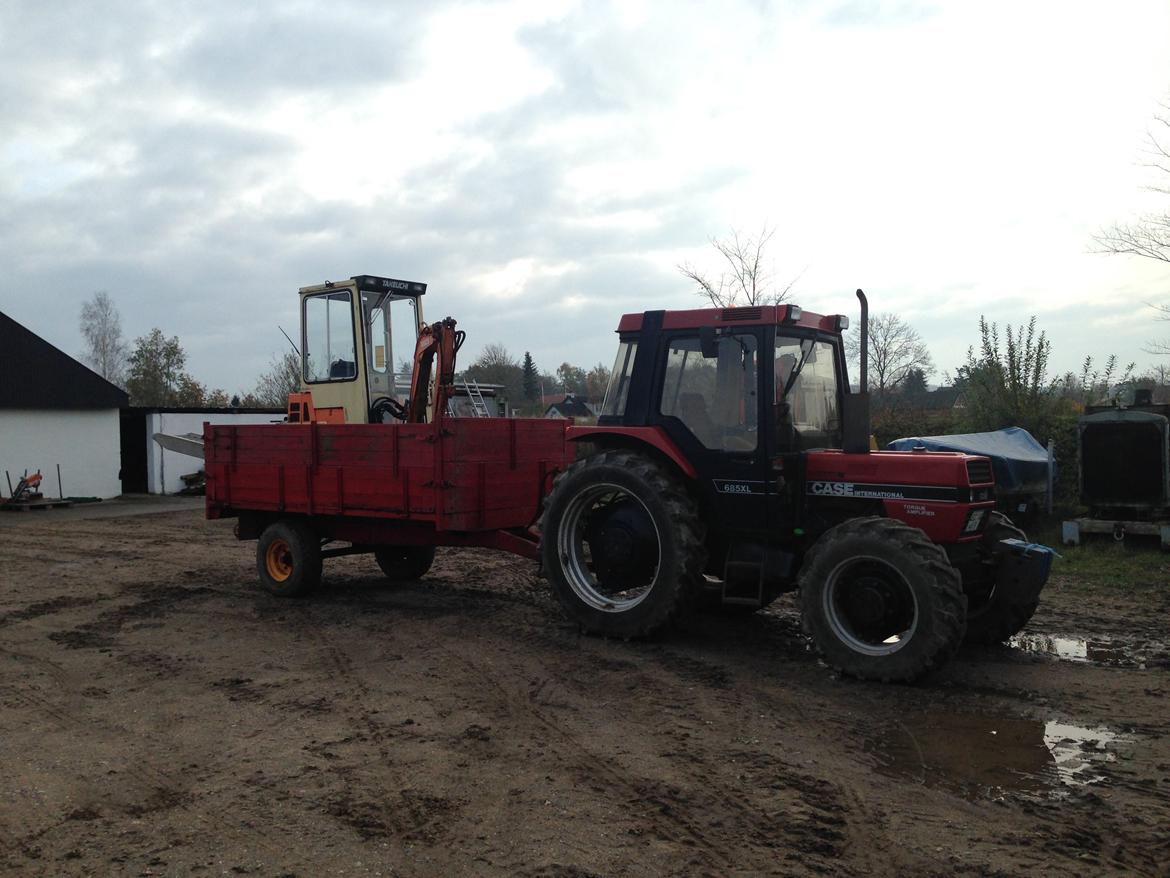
(1100, 563)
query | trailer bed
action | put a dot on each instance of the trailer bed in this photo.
(460, 474)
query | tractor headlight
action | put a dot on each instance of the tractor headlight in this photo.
(974, 520)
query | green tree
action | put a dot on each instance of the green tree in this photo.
(496, 366)
(1006, 383)
(282, 378)
(596, 382)
(156, 370)
(571, 378)
(531, 378)
(914, 387)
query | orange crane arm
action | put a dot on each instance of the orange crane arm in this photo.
(442, 340)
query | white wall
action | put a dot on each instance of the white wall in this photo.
(163, 467)
(86, 443)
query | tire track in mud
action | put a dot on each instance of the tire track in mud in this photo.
(163, 789)
(414, 815)
(813, 840)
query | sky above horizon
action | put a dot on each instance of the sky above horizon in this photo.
(545, 166)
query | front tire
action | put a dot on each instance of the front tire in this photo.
(881, 601)
(995, 616)
(288, 559)
(404, 563)
(622, 544)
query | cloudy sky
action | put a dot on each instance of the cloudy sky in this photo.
(545, 166)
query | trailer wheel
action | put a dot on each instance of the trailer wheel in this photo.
(622, 544)
(404, 563)
(881, 601)
(288, 559)
(993, 616)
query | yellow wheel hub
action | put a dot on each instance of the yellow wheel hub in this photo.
(278, 560)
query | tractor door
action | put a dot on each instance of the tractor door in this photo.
(710, 404)
(804, 389)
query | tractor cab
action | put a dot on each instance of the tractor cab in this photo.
(736, 391)
(358, 341)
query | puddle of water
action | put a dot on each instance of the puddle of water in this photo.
(979, 756)
(1096, 650)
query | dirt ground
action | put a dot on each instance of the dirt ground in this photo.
(160, 715)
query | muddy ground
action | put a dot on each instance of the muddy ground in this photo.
(159, 715)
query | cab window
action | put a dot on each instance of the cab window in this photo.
(807, 398)
(329, 343)
(715, 398)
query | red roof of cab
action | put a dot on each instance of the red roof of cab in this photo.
(762, 315)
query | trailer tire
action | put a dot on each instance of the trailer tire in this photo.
(288, 559)
(996, 616)
(622, 544)
(404, 563)
(881, 601)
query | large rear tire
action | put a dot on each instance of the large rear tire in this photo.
(404, 563)
(995, 616)
(622, 544)
(881, 601)
(288, 559)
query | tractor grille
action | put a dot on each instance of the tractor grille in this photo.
(730, 314)
(979, 472)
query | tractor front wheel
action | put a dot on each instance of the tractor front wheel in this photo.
(622, 544)
(994, 614)
(881, 601)
(288, 559)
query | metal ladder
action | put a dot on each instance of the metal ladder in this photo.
(478, 406)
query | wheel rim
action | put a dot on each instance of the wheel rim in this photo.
(278, 560)
(618, 594)
(870, 606)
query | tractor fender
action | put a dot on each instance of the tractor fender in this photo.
(651, 439)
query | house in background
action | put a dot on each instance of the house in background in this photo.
(570, 407)
(55, 411)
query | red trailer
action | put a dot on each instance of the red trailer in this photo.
(398, 490)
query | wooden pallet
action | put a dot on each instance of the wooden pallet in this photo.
(27, 505)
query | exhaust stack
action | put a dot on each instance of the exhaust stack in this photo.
(856, 405)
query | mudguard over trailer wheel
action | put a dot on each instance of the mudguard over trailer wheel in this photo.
(404, 563)
(998, 614)
(881, 601)
(288, 559)
(622, 544)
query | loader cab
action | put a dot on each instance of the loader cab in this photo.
(741, 393)
(357, 344)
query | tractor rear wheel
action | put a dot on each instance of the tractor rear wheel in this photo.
(881, 601)
(622, 544)
(288, 559)
(404, 563)
(994, 616)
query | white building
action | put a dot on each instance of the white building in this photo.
(56, 412)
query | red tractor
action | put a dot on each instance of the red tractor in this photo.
(730, 464)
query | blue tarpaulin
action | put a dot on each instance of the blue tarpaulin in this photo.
(1019, 461)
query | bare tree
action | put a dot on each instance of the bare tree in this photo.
(282, 378)
(1149, 235)
(747, 278)
(895, 351)
(105, 349)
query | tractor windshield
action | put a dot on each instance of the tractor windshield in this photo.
(807, 391)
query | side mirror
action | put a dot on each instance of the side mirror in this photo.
(708, 344)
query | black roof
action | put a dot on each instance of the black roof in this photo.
(572, 407)
(36, 375)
